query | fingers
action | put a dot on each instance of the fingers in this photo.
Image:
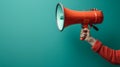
(84, 33)
(83, 36)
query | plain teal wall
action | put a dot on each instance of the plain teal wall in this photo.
(29, 36)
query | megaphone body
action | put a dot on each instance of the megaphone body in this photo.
(66, 17)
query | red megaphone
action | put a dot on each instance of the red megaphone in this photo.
(66, 17)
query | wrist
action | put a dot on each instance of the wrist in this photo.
(91, 40)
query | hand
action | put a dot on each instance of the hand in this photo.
(85, 34)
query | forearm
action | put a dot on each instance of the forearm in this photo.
(107, 53)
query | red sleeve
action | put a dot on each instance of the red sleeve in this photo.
(109, 54)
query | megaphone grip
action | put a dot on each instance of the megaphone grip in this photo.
(84, 25)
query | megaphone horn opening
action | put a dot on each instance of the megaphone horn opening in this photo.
(60, 16)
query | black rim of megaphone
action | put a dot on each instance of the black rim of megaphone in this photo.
(59, 4)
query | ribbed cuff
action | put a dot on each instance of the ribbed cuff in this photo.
(97, 46)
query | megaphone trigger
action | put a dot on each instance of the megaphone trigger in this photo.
(94, 27)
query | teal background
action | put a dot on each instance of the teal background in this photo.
(29, 36)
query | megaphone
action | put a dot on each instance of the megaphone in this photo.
(66, 17)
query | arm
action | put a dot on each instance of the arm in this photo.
(107, 53)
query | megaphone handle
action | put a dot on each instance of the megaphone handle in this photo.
(84, 26)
